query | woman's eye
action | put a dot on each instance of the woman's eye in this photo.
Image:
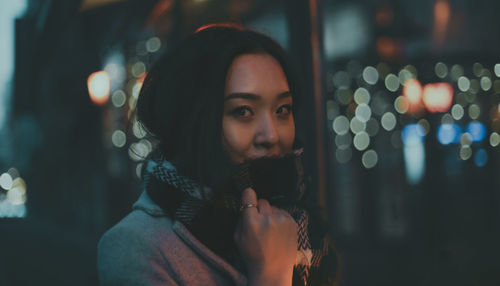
(285, 109)
(242, 111)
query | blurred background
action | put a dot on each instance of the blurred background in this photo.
(401, 122)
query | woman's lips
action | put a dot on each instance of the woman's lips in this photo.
(264, 156)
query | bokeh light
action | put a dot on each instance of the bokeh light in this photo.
(388, 48)
(361, 141)
(119, 139)
(136, 89)
(16, 195)
(401, 104)
(442, 12)
(12, 211)
(118, 98)
(477, 69)
(438, 97)
(456, 72)
(497, 70)
(138, 69)
(99, 85)
(457, 112)
(425, 125)
(343, 141)
(448, 133)
(6, 181)
(138, 170)
(384, 16)
(370, 75)
(414, 152)
(465, 152)
(412, 91)
(494, 139)
(139, 151)
(477, 130)
(388, 121)
(115, 70)
(13, 172)
(465, 139)
(369, 159)
(441, 70)
(463, 83)
(138, 130)
(357, 125)
(412, 69)
(447, 118)
(485, 83)
(392, 82)
(361, 96)
(481, 158)
(405, 75)
(363, 112)
(412, 133)
(474, 111)
(341, 125)
(153, 44)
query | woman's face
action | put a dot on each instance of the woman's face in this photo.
(258, 119)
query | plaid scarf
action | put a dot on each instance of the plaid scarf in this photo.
(187, 201)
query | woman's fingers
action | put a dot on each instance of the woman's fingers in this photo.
(264, 207)
(278, 211)
(249, 201)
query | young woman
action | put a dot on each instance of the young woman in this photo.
(225, 201)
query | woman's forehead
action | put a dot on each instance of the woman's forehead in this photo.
(256, 74)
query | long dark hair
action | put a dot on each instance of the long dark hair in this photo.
(181, 101)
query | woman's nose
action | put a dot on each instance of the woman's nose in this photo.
(266, 132)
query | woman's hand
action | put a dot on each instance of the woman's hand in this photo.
(266, 237)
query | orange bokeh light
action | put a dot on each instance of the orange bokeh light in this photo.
(412, 91)
(99, 85)
(442, 13)
(384, 16)
(388, 48)
(438, 97)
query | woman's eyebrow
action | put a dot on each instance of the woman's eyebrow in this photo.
(284, 94)
(252, 96)
(242, 95)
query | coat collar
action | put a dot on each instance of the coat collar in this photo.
(146, 204)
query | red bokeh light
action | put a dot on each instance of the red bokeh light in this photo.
(437, 97)
(412, 91)
(99, 85)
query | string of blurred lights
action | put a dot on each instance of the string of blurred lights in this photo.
(123, 79)
(400, 104)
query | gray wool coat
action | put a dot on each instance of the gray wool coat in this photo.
(148, 248)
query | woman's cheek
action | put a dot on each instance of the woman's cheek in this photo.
(237, 140)
(287, 136)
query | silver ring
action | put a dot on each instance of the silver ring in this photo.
(247, 206)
